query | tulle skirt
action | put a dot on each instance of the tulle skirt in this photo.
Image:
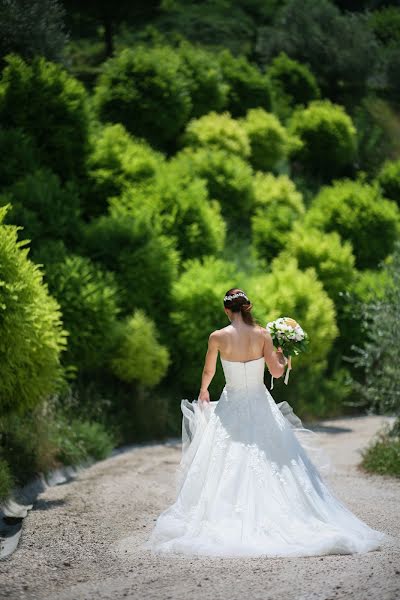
(251, 483)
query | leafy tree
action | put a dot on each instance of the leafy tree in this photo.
(389, 180)
(218, 131)
(147, 91)
(22, 156)
(32, 27)
(249, 87)
(56, 116)
(270, 142)
(278, 205)
(357, 211)
(110, 14)
(328, 136)
(32, 337)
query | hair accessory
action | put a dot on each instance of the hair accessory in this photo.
(237, 295)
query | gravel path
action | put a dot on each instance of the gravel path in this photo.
(81, 539)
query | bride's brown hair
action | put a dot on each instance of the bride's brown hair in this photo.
(240, 304)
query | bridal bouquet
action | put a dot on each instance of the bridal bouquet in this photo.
(287, 334)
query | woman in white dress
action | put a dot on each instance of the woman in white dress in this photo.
(246, 485)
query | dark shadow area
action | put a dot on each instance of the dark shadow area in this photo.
(47, 504)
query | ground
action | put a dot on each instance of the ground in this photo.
(82, 540)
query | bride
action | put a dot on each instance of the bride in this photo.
(246, 484)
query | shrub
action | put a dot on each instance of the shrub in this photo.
(117, 162)
(217, 131)
(269, 141)
(278, 206)
(249, 87)
(139, 357)
(389, 180)
(147, 91)
(292, 84)
(143, 260)
(6, 480)
(382, 455)
(32, 337)
(89, 301)
(208, 91)
(328, 136)
(56, 115)
(77, 441)
(187, 214)
(21, 156)
(198, 291)
(44, 208)
(229, 180)
(358, 212)
(332, 259)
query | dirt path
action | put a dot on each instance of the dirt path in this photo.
(81, 539)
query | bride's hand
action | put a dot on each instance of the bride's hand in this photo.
(204, 396)
(281, 357)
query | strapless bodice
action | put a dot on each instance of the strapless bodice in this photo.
(244, 375)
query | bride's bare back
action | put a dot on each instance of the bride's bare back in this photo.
(241, 342)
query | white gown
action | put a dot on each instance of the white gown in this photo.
(246, 485)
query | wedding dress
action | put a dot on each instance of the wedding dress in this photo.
(246, 485)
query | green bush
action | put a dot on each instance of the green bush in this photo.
(218, 131)
(44, 101)
(117, 162)
(382, 455)
(147, 91)
(44, 208)
(249, 87)
(278, 206)
(6, 480)
(144, 261)
(292, 84)
(208, 91)
(187, 214)
(77, 441)
(139, 357)
(31, 333)
(21, 156)
(269, 141)
(357, 211)
(229, 180)
(389, 180)
(329, 138)
(332, 259)
(385, 23)
(89, 301)
(198, 291)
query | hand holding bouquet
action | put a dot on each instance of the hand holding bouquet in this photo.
(287, 334)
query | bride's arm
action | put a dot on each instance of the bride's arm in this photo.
(275, 359)
(209, 366)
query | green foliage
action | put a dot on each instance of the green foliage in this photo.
(144, 261)
(139, 357)
(31, 27)
(328, 136)
(332, 259)
(218, 131)
(288, 291)
(187, 215)
(89, 300)
(229, 180)
(385, 23)
(339, 48)
(278, 206)
(21, 156)
(30, 328)
(208, 91)
(357, 211)
(270, 142)
(147, 91)
(44, 208)
(249, 87)
(382, 455)
(292, 84)
(389, 180)
(116, 163)
(6, 480)
(56, 115)
(379, 353)
(199, 291)
(78, 441)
